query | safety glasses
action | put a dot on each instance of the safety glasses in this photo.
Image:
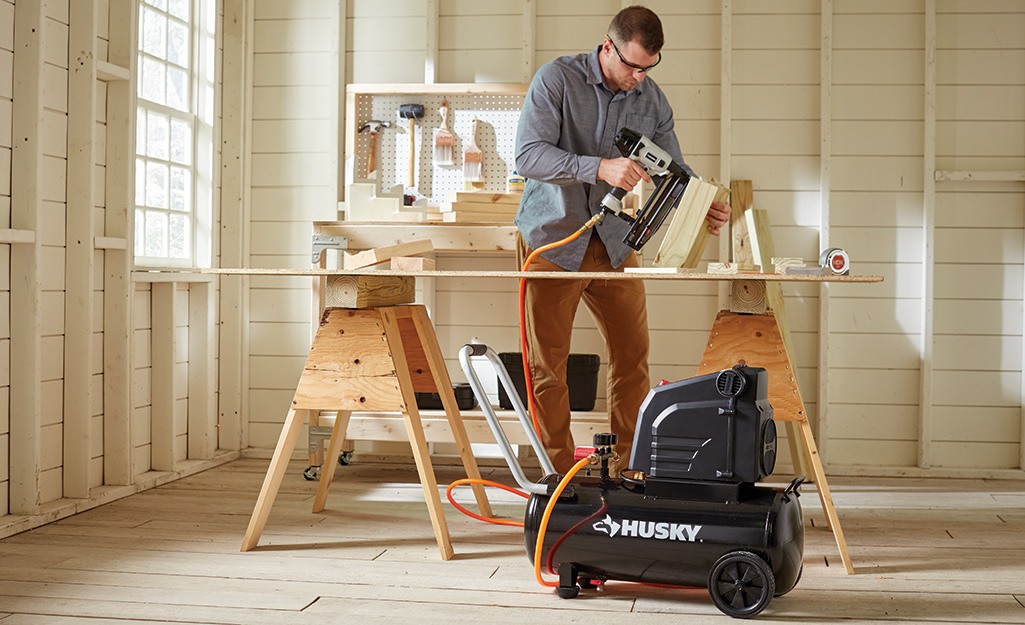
(628, 63)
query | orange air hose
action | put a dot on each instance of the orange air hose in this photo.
(543, 528)
(523, 313)
(468, 480)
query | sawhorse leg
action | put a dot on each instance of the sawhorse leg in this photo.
(272, 481)
(432, 350)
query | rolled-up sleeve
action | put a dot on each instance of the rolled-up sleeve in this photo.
(538, 152)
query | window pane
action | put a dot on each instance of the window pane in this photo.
(179, 9)
(208, 47)
(140, 233)
(156, 185)
(177, 89)
(181, 142)
(180, 189)
(140, 182)
(154, 34)
(178, 43)
(156, 234)
(153, 81)
(156, 138)
(178, 237)
(140, 132)
(160, 4)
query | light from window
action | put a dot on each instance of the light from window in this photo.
(174, 149)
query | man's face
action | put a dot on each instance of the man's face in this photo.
(617, 60)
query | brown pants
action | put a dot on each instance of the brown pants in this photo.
(619, 310)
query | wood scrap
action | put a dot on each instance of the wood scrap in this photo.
(741, 201)
(379, 255)
(412, 263)
(722, 268)
(782, 263)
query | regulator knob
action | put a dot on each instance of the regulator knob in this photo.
(606, 439)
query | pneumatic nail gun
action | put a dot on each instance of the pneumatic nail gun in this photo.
(672, 181)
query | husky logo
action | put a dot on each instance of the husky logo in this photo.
(647, 529)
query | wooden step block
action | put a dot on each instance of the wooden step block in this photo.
(369, 291)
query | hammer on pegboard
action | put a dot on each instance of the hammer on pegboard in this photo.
(412, 112)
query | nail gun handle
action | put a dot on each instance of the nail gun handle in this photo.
(613, 201)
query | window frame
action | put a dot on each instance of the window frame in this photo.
(201, 102)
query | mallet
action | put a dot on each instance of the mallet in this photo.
(412, 112)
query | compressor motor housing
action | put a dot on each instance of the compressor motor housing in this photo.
(696, 518)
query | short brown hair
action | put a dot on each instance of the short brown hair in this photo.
(638, 23)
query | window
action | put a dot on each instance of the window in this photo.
(174, 133)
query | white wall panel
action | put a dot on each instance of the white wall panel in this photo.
(876, 208)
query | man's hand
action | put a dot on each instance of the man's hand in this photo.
(718, 216)
(622, 172)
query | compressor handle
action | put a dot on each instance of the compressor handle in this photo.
(481, 350)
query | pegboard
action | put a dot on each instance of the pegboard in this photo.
(498, 113)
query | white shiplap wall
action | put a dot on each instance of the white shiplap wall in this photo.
(872, 363)
(980, 88)
(294, 177)
(70, 434)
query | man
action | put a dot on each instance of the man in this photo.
(565, 148)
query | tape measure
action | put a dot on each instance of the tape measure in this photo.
(836, 261)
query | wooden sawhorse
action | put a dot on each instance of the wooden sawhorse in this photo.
(371, 359)
(756, 339)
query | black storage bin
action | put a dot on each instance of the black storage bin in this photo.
(581, 378)
(465, 398)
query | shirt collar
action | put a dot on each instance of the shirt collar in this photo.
(594, 75)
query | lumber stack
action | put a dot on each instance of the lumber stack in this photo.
(470, 207)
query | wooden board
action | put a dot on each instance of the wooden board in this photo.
(462, 216)
(507, 199)
(500, 208)
(741, 200)
(367, 291)
(412, 263)
(684, 242)
(379, 255)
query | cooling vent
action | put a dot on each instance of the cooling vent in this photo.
(730, 383)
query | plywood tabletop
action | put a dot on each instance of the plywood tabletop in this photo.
(578, 275)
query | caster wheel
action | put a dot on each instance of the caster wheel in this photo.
(345, 458)
(311, 473)
(741, 584)
(567, 592)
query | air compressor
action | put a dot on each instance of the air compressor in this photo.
(691, 515)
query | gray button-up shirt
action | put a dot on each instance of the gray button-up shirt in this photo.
(568, 124)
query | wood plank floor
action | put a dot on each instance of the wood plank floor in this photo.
(925, 551)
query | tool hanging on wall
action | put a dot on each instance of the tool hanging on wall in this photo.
(374, 126)
(473, 160)
(412, 112)
(444, 140)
